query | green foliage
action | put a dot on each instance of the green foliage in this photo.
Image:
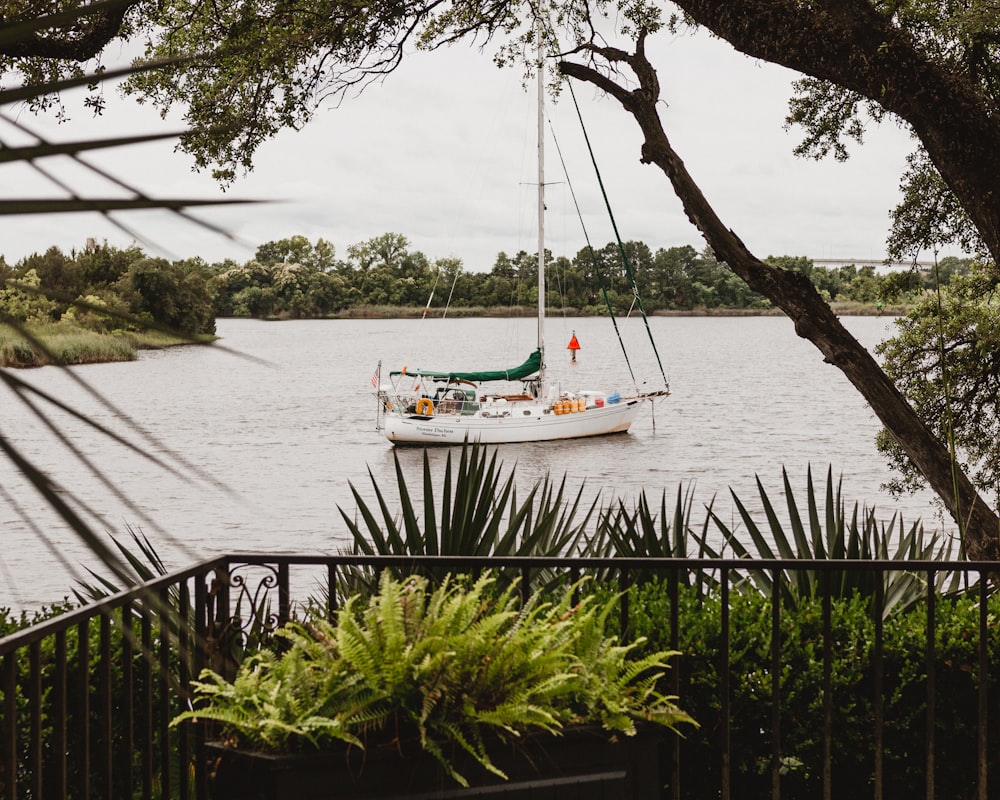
(90, 680)
(945, 359)
(243, 72)
(852, 628)
(293, 278)
(64, 343)
(88, 316)
(642, 533)
(141, 557)
(18, 303)
(479, 515)
(11, 622)
(455, 664)
(954, 38)
(298, 250)
(278, 288)
(107, 290)
(176, 295)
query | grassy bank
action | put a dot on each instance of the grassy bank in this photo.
(63, 343)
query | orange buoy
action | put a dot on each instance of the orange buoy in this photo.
(573, 345)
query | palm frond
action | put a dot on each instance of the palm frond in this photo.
(74, 511)
(46, 149)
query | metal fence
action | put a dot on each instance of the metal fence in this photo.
(88, 696)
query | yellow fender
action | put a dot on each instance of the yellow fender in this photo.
(425, 406)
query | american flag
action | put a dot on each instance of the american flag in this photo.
(375, 375)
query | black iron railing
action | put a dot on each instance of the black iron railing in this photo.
(87, 697)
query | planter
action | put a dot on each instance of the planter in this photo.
(581, 763)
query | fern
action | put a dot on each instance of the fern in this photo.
(458, 663)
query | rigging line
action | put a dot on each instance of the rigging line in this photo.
(437, 274)
(451, 291)
(621, 247)
(593, 256)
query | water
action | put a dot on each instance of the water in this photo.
(266, 432)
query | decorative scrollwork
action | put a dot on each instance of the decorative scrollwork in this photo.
(251, 617)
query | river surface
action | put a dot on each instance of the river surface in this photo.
(259, 437)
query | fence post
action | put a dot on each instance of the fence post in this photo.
(931, 706)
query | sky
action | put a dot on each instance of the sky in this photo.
(443, 152)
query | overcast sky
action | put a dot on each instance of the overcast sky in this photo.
(443, 153)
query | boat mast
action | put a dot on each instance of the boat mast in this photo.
(541, 212)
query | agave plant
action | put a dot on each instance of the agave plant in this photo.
(478, 515)
(640, 532)
(834, 536)
(142, 558)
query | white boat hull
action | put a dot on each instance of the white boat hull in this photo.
(525, 423)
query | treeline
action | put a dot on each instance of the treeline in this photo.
(295, 278)
(106, 289)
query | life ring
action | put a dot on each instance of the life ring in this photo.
(425, 406)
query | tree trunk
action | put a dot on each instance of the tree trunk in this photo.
(798, 299)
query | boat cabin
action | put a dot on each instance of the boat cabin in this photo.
(455, 400)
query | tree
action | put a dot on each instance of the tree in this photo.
(896, 63)
(946, 361)
(104, 265)
(797, 298)
(176, 295)
(25, 305)
(59, 276)
(930, 65)
(446, 288)
(514, 279)
(945, 270)
(671, 279)
(298, 250)
(389, 272)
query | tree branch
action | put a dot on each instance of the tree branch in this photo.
(851, 44)
(75, 35)
(793, 293)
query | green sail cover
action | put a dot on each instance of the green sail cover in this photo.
(529, 367)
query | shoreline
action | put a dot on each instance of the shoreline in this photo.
(406, 312)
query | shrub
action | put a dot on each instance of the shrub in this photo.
(904, 691)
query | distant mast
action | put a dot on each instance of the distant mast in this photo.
(541, 212)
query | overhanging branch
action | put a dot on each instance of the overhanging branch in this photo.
(795, 295)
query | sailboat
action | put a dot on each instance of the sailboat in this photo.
(448, 407)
